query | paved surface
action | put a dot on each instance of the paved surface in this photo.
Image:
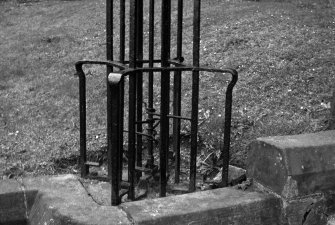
(219, 206)
(62, 200)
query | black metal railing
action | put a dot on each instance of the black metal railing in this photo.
(136, 69)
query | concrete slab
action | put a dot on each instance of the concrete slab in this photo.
(12, 213)
(10, 194)
(9, 186)
(63, 200)
(296, 165)
(219, 206)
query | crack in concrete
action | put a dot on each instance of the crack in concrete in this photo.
(23, 188)
(88, 193)
(129, 217)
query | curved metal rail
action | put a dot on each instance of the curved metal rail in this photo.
(115, 148)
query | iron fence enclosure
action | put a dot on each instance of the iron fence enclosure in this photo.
(132, 72)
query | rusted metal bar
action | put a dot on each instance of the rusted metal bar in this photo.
(130, 72)
(109, 63)
(126, 71)
(109, 32)
(113, 150)
(177, 94)
(122, 59)
(165, 94)
(150, 161)
(227, 126)
(122, 30)
(195, 94)
(82, 119)
(113, 136)
(132, 101)
(139, 81)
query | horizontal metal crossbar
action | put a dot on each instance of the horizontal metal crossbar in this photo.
(126, 71)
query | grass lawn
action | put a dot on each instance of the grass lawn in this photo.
(284, 53)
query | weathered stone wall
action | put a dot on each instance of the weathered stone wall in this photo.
(300, 170)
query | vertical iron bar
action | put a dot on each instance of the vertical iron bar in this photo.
(113, 166)
(227, 124)
(114, 114)
(226, 140)
(122, 30)
(177, 94)
(109, 33)
(122, 58)
(139, 81)
(151, 81)
(195, 94)
(165, 94)
(132, 100)
(82, 110)
(121, 127)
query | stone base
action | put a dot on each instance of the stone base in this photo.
(62, 200)
(300, 170)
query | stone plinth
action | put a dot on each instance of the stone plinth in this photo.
(294, 166)
(300, 169)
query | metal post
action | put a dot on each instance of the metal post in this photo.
(151, 82)
(121, 58)
(177, 93)
(114, 153)
(132, 100)
(122, 30)
(195, 94)
(165, 94)
(82, 110)
(227, 124)
(112, 112)
(139, 82)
